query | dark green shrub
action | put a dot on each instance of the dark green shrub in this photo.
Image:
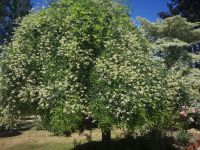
(63, 123)
(183, 137)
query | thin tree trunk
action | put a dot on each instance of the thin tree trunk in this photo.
(106, 137)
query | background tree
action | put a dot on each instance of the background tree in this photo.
(171, 40)
(10, 10)
(186, 8)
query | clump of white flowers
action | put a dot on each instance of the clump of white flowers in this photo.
(130, 88)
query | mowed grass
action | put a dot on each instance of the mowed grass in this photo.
(46, 146)
(33, 139)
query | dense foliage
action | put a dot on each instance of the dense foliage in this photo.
(10, 10)
(52, 54)
(186, 8)
(62, 122)
(173, 40)
(76, 60)
(136, 90)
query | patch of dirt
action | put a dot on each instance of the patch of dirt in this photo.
(195, 133)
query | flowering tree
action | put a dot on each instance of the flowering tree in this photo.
(48, 63)
(131, 89)
(77, 59)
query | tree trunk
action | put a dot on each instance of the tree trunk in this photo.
(106, 137)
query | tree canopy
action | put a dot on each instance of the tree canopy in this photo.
(173, 40)
(131, 89)
(79, 60)
(10, 10)
(186, 8)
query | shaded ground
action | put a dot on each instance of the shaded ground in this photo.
(43, 140)
(28, 138)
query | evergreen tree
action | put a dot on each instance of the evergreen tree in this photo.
(10, 10)
(172, 40)
(189, 9)
(172, 37)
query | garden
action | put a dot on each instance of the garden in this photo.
(80, 74)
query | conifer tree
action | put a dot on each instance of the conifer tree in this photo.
(10, 10)
(189, 9)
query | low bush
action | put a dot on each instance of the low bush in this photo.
(63, 123)
(183, 137)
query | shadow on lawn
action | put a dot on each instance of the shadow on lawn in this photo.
(24, 125)
(8, 133)
(130, 143)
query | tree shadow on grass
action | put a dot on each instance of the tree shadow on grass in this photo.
(23, 125)
(8, 133)
(129, 143)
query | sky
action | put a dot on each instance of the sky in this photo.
(144, 8)
(147, 8)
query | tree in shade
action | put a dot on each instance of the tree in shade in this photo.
(10, 10)
(189, 9)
